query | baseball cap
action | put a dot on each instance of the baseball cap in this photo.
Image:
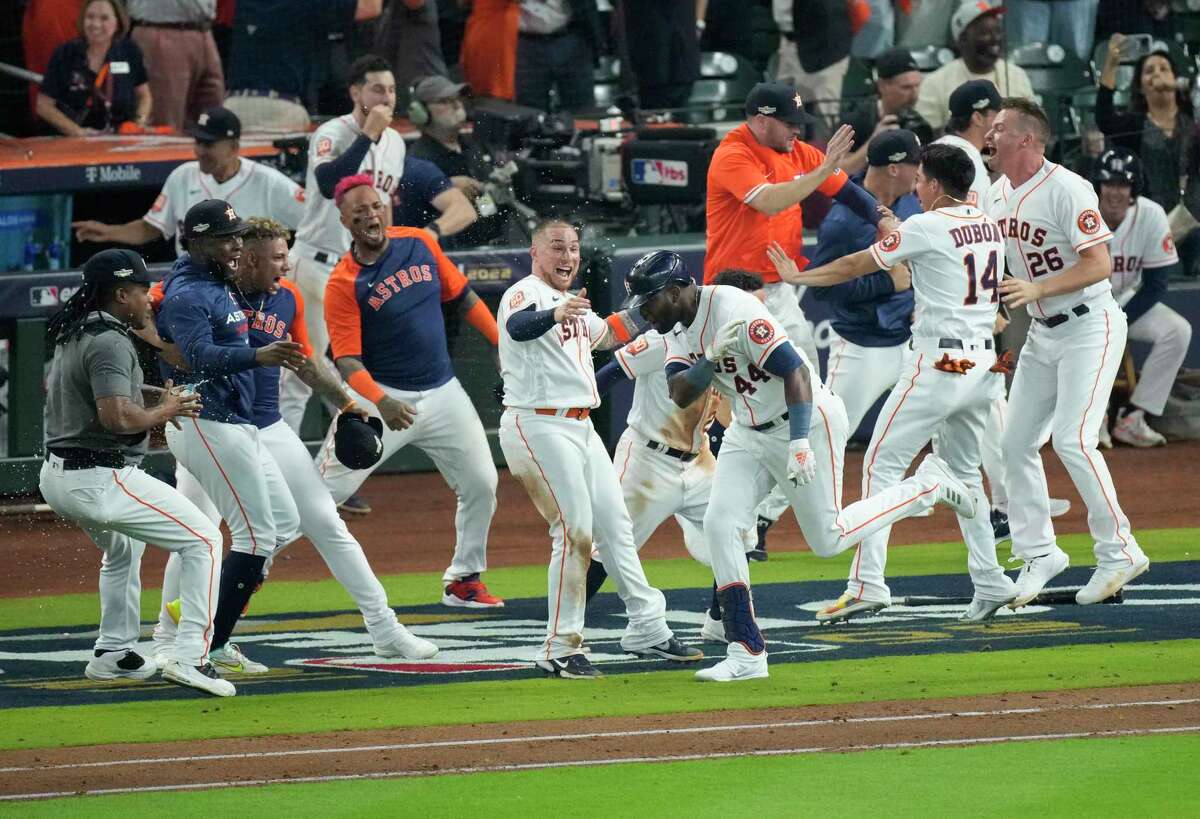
(216, 124)
(970, 11)
(116, 265)
(972, 96)
(212, 217)
(894, 62)
(437, 87)
(894, 146)
(778, 100)
(356, 443)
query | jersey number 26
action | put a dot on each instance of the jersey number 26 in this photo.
(988, 281)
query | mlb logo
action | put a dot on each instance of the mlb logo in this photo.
(43, 296)
(668, 172)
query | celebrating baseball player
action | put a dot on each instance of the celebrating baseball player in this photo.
(206, 318)
(946, 387)
(1143, 258)
(554, 451)
(384, 308)
(97, 429)
(788, 429)
(1056, 243)
(277, 311)
(218, 172)
(360, 142)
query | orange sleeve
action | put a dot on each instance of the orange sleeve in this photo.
(299, 329)
(810, 160)
(156, 296)
(342, 318)
(736, 170)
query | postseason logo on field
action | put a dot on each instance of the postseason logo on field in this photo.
(669, 172)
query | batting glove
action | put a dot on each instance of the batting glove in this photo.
(724, 340)
(802, 464)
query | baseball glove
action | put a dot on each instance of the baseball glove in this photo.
(958, 366)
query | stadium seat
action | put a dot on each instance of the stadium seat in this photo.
(932, 57)
(1056, 75)
(725, 80)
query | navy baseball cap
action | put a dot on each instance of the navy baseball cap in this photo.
(972, 96)
(116, 265)
(356, 443)
(778, 100)
(213, 217)
(894, 146)
(894, 62)
(216, 124)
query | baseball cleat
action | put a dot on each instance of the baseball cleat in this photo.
(1107, 582)
(981, 609)
(1059, 507)
(403, 643)
(174, 610)
(229, 659)
(757, 550)
(471, 593)
(1000, 530)
(1036, 573)
(120, 665)
(672, 650)
(950, 490)
(1131, 429)
(1104, 441)
(202, 678)
(712, 631)
(847, 607)
(573, 667)
(739, 664)
(354, 505)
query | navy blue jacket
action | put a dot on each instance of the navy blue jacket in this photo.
(202, 315)
(867, 311)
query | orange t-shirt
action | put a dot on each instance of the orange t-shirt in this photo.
(738, 235)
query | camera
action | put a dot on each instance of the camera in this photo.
(910, 120)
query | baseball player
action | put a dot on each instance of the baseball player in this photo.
(946, 387)
(206, 318)
(553, 450)
(277, 311)
(354, 143)
(384, 308)
(1143, 258)
(218, 172)
(1056, 244)
(97, 429)
(788, 429)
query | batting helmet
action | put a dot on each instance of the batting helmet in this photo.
(654, 272)
(357, 443)
(1117, 166)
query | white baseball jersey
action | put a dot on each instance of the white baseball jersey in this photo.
(1143, 239)
(554, 370)
(755, 396)
(979, 187)
(322, 227)
(957, 257)
(255, 190)
(653, 414)
(1046, 222)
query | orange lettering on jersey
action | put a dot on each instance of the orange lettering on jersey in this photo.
(760, 331)
(638, 345)
(1168, 244)
(1089, 222)
(890, 242)
(516, 301)
(159, 203)
(299, 194)
(324, 146)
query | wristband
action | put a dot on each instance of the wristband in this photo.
(433, 226)
(799, 419)
(349, 405)
(365, 385)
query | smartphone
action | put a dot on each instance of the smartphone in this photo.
(1135, 46)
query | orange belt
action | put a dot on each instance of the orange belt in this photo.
(578, 413)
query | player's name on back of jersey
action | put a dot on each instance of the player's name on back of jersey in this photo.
(975, 234)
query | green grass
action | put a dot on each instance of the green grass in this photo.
(1070, 778)
(281, 597)
(531, 698)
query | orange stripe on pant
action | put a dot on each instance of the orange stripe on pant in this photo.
(237, 500)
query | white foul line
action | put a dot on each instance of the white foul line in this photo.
(648, 732)
(581, 763)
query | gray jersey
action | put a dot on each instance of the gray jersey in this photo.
(98, 363)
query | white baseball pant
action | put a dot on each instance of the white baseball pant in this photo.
(565, 468)
(926, 402)
(1170, 334)
(1063, 379)
(860, 375)
(310, 276)
(449, 431)
(121, 510)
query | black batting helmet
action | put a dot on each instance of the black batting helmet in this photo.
(652, 273)
(356, 443)
(1117, 166)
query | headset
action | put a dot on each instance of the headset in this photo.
(418, 112)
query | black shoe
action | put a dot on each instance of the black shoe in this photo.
(354, 505)
(759, 552)
(1000, 526)
(671, 650)
(574, 667)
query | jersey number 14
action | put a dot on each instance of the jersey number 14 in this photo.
(987, 281)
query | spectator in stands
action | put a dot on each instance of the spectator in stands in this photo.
(47, 24)
(897, 82)
(97, 81)
(663, 38)
(1151, 17)
(977, 30)
(408, 37)
(489, 48)
(275, 57)
(186, 78)
(438, 109)
(925, 23)
(427, 199)
(217, 173)
(557, 49)
(815, 50)
(877, 31)
(1158, 125)
(1070, 23)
